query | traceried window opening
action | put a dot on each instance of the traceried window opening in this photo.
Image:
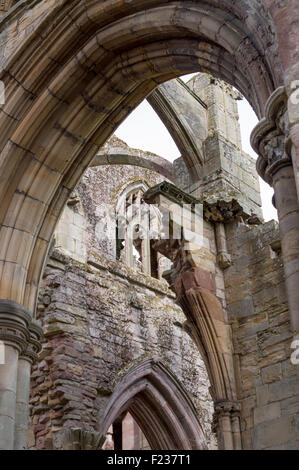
(137, 227)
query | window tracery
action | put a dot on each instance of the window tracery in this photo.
(137, 228)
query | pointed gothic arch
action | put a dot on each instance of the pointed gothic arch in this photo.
(86, 73)
(159, 404)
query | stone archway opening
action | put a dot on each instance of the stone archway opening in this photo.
(159, 405)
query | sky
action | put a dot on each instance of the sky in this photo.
(144, 130)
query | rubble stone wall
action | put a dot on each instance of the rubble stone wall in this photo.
(100, 317)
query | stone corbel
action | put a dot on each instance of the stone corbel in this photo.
(74, 199)
(223, 257)
(80, 439)
(223, 210)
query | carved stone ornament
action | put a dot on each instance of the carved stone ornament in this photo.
(271, 139)
(223, 408)
(18, 329)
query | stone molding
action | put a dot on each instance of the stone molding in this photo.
(171, 192)
(211, 332)
(18, 329)
(271, 139)
(227, 407)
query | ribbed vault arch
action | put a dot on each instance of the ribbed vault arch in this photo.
(78, 75)
(160, 406)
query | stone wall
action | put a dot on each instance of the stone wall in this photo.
(257, 307)
(227, 169)
(100, 317)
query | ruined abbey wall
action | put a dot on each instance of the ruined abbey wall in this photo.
(257, 307)
(71, 71)
(100, 317)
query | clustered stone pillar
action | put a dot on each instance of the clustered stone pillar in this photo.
(272, 141)
(226, 424)
(20, 335)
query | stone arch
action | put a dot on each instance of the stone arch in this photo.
(127, 188)
(188, 132)
(160, 406)
(85, 74)
(164, 168)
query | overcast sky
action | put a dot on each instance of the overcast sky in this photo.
(144, 130)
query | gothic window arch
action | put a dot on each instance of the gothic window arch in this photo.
(137, 227)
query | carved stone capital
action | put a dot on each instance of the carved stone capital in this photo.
(271, 138)
(80, 439)
(225, 408)
(18, 329)
(33, 345)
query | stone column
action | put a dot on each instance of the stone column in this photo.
(22, 402)
(145, 256)
(272, 141)
(25, 362)
(19, 337)
(8, 384)
(236, 427)
(226, 425)
(287, 205)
